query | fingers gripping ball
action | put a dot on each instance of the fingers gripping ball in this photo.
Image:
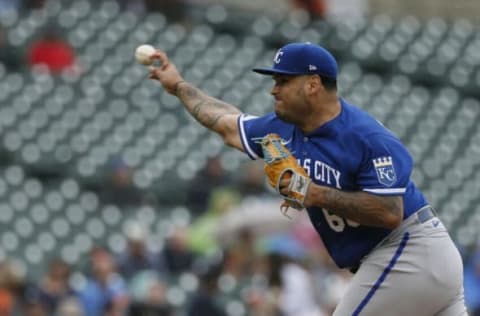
(143, 53)
(280, 165)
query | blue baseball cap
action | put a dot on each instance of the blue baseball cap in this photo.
(302, 59)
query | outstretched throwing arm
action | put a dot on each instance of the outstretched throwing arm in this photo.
(214, 114)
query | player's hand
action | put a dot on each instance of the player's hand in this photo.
(284, 183)
(284, 190)
(166, 72)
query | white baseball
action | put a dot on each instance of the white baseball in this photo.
(143, 53)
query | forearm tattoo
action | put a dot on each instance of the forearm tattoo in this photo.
(207, 110)
(362, 207)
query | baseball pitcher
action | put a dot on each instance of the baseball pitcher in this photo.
(351, 174)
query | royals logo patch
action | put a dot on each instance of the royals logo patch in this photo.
(385, 171)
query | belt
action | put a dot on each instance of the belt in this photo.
(426, 213)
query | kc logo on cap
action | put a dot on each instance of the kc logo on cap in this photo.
(279, 54)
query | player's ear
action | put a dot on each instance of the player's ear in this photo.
(314, 84)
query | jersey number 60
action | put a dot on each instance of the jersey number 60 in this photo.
(338, 223)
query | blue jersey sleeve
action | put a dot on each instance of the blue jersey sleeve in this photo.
(252, 129)
(387, 166)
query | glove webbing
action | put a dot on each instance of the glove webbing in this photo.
(280, 153)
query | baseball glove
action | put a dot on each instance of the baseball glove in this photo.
(281, 164)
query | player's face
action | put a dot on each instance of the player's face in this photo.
(291, 104)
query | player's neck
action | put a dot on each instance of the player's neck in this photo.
(325, 111)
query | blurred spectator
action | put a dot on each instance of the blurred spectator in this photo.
(240, 256)
(252, 179)
(201, 233)
(149, 294)
(33, 4)
(316, 8)
(11, 288)
(105, 289)
(204, 301)
(70, 307)
(53, 287)
(472, 283)
(35, 308)
(9, 55)
(21, 5)
(52, 51)
(212, 176)
(120, 188)
(332, 285)
(137, 257)
(174, 10)
(176, 253)
(261, 215)
(135, 6)
(10, 5)
(297, 295)
(291, 291)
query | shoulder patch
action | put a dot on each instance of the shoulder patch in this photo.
(385, 171)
